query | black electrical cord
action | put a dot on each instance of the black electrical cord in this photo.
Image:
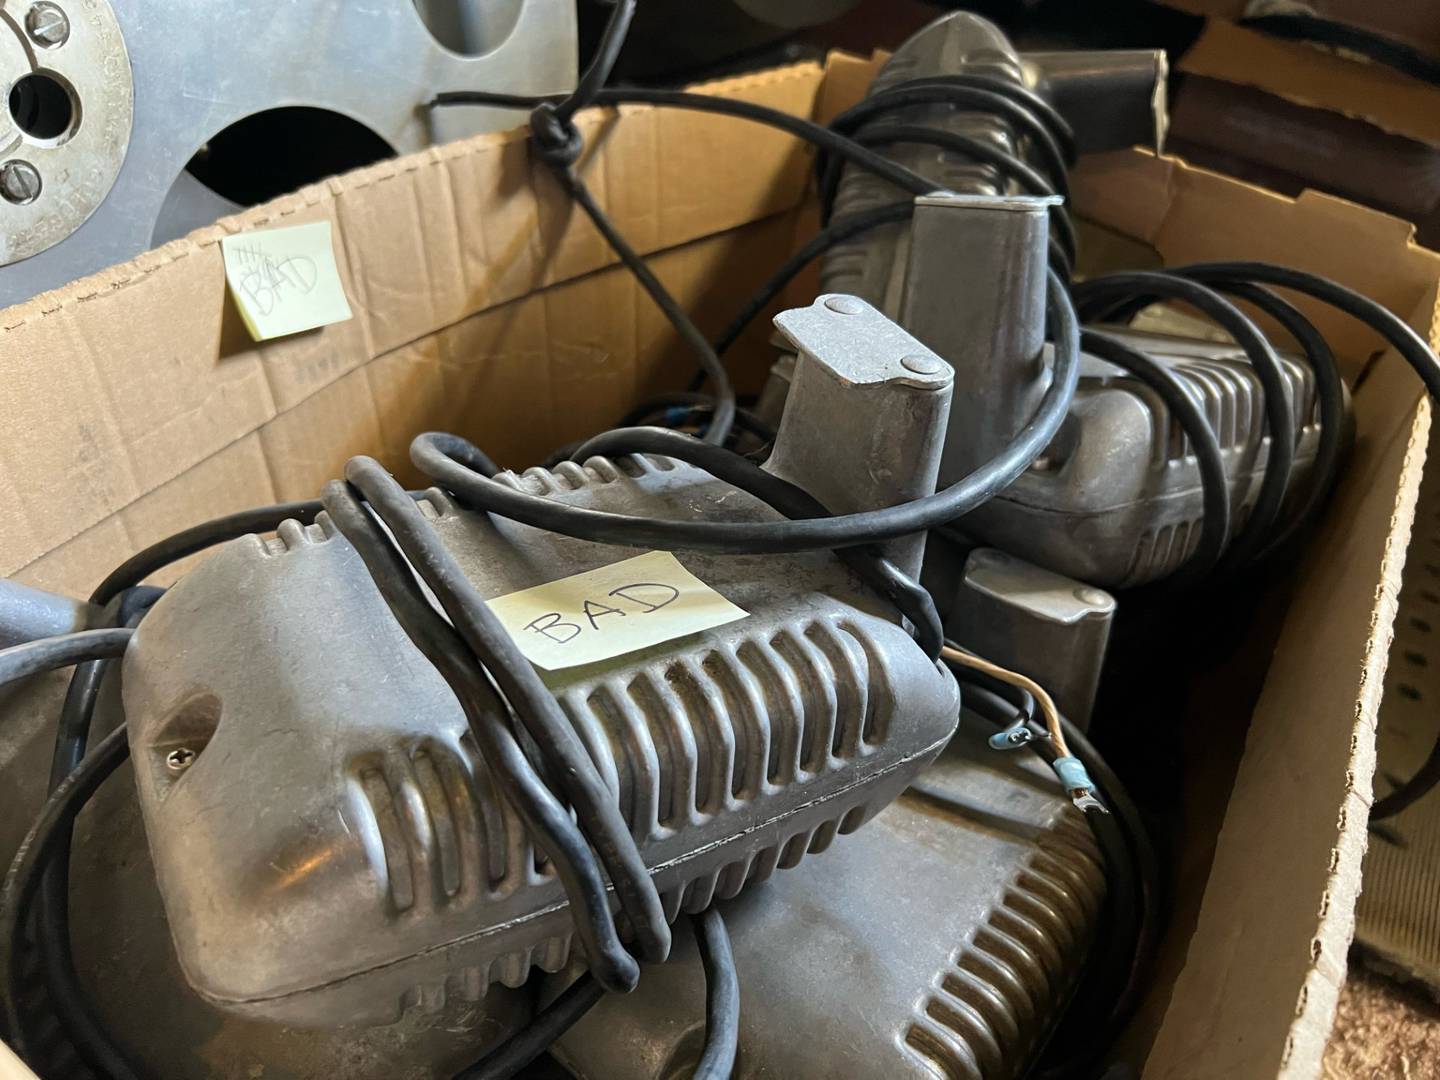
(18, 662)
(529, 698)
(63, 650)
(461, 468)
(1045, 113)
(518, 1051)
(811, 132)
(1330, 399)
(1412, 790)
(546, 819)
(1414, 350)
(1329, 393)
(1397, 333)
(838, 231)
(908, 596)
(67, 999)
(958, 90)
(67, 996)
(558, 145)
(460, 654)
(1097, 294)
(597, 71)
(1214, 487)
(718, 429)
(693, 404)
(1029, 180)
(22, 881)
(197, 538)
(1382, 49)
(722, 1014)
(558, 142)
(722, 997)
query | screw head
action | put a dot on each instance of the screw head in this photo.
(922, 365)
(19, 182)
(1094, 597)
(845, 305)
(180, 759)
(47, 25)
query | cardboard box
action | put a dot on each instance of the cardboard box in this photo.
(1414, 24)
(485, 304)
(1291, 116)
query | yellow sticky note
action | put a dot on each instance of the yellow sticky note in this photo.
(285, 280)
(616, 609)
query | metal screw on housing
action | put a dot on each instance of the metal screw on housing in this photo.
(19, 182)
(180, 759)
(47, 25)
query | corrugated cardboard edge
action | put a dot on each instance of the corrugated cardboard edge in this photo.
(1302, 74)
(1309, 756)
(1190, 214)
(1309, 1033)
(423, 242)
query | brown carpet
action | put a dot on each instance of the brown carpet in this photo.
(1382, 1030)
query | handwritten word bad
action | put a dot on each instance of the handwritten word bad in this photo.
(638, 598)
(267, 279)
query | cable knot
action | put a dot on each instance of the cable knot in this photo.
(557, 141)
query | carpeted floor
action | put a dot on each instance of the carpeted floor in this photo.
(1382, 1030)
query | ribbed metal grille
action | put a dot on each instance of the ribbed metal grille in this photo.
(980, 1016)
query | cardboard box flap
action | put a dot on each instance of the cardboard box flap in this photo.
(424, 241)
(1306, 75)
(1189, 214)
(1286, 872)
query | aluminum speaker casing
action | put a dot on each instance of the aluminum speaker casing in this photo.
(331, 848)
(1116, 498)
(944, 940)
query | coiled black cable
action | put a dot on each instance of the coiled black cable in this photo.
(22, 881)
(692, 404)
(1010, 102)
(536, 708)
(463, 469)
(1062, 241)
(67, 997)
(544, 816)
(1215, 489)
(1245, 279)
(1095, 295)
(552, 123)
(912, 601)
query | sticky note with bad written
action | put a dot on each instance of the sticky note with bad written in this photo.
(613, 610)
(285, 280)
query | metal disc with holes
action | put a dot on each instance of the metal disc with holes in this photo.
(63, 134)
(221, 106)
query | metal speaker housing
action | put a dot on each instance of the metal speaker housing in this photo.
(327, 842)
(1116, 498)
(942, 940)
